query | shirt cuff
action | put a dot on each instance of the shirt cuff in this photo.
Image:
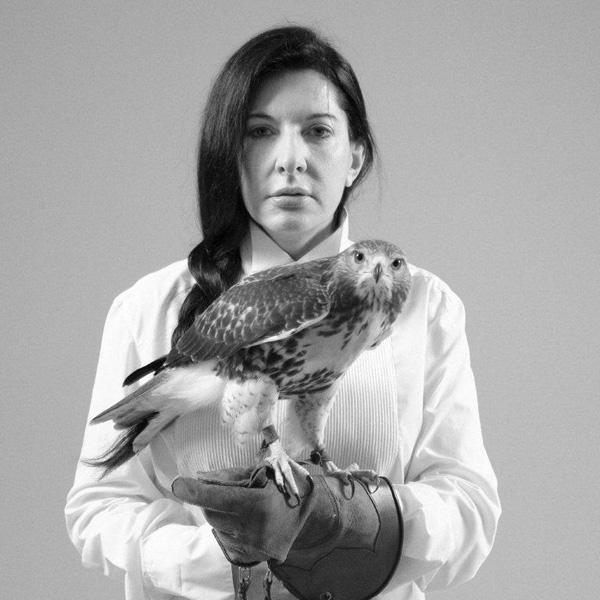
(184, 560)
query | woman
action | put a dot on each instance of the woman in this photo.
(285, 139)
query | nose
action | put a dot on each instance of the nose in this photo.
(290, 154)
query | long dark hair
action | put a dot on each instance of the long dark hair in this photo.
(215, 263)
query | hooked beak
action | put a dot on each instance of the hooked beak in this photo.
(377, 272)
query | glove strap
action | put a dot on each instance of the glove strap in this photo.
(269, 435)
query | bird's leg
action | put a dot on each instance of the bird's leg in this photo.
(265, 393)
(311, 417)
(282, 465)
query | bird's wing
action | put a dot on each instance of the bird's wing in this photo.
(265, 307)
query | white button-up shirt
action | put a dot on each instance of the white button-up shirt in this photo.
(407, 409)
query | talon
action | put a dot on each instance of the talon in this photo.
(351, 474)
(311, 484)
(284, 467)
(377, 485)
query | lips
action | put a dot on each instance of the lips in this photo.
(289, 201)
(290, 198)
(291, 191)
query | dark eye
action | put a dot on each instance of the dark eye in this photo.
(397, 263)
(320, 131)
(359, 257)
(260, 131)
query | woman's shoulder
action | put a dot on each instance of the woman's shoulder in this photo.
(158, 290)
(431, 289)
(148, 311)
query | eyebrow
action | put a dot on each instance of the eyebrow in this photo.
(259, 115)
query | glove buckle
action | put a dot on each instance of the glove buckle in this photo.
(245, 579)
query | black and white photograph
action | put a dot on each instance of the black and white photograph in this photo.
(300, 299)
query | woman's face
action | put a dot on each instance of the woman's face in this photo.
(297, 159)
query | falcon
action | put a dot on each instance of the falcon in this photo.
(289, 332)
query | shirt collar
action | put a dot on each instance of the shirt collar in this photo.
(259, 251)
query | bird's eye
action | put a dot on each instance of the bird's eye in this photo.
(397, 263)
(359, 257)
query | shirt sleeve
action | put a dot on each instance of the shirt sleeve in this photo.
(449, 499)
(127, 522)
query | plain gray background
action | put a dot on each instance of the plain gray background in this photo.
(487, 117)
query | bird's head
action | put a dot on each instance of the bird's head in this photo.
(375, 269)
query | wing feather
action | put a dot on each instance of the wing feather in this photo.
(272, 304)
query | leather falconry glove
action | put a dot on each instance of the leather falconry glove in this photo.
(336, 541)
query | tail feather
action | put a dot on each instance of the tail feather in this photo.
(153, 406)
(120, 451)
(135, 407)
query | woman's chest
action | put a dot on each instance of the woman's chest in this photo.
(374, 422)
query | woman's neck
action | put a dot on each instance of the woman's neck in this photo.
(297, 246)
